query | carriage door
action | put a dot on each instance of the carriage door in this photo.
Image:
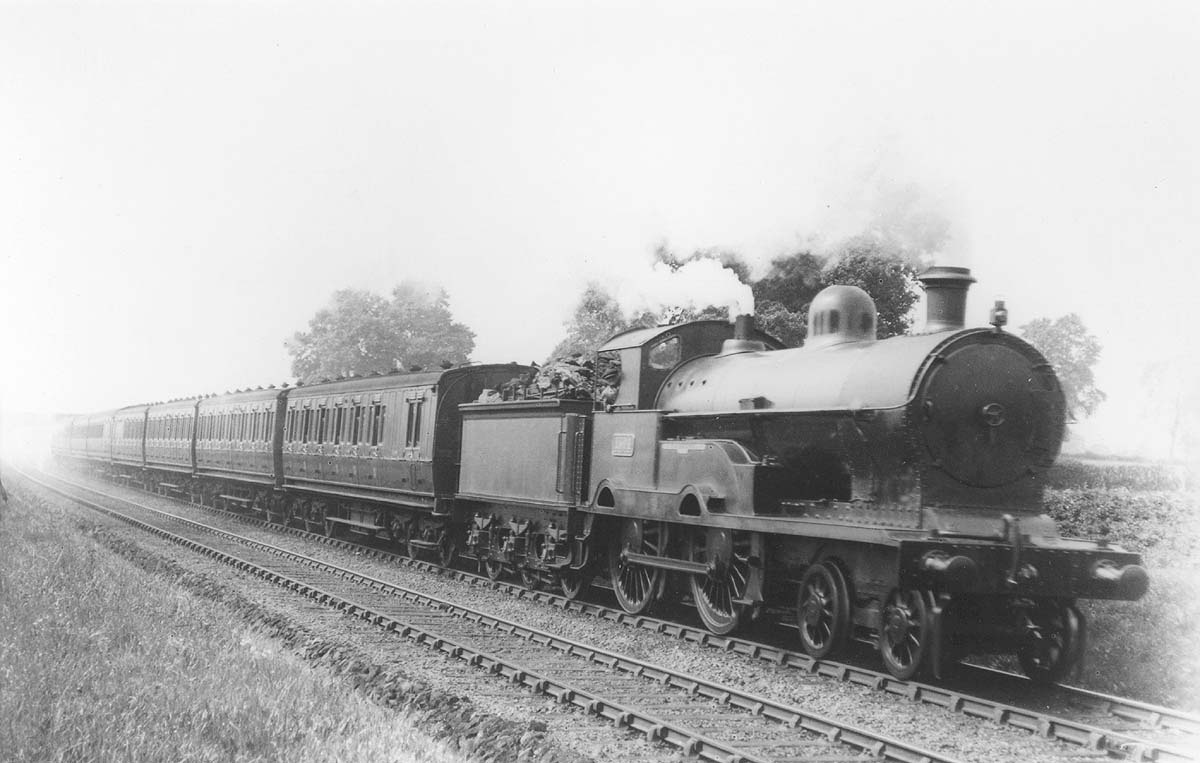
(416, 435)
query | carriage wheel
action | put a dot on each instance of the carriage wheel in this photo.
(638, 588)
(397, 528)
(1052, 643)
(716, 592)
(904, 633)
(823, 609)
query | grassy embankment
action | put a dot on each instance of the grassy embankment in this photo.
(100, 661)
(1148, 648)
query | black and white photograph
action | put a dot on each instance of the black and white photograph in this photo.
(590, 382)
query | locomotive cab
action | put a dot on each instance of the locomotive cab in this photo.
(646, 357)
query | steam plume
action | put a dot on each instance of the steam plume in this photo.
(697, 284)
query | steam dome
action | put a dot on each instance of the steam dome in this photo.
(840, 314)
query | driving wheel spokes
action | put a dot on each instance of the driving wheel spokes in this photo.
(1052, 641)
(719, 594)
(904, 633)
(823, 609)
(637, 587)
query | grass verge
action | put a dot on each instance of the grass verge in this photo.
(101, 661)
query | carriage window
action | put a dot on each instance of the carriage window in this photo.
(377, 416)
(306, 436)
(356, 424)
(339, 418)
(834, 317)
(322, 423)
(412, 437)
(665, 354)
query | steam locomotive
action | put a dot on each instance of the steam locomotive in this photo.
(888, 490)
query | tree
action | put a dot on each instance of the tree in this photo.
(597, 317)
(883, 273)
(1171, 406)
(1073, 351)
(783, 295)
(362, 332)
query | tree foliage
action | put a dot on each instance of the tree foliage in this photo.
(781, 296)
(597, 317)
(1073, 351)
(885, 274)
(361, 332)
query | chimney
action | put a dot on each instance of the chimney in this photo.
(743, 330)
(743, 326)
(946, 297)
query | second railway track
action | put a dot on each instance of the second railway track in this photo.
(1117, 728)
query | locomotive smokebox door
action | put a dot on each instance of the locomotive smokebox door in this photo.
(989, 413)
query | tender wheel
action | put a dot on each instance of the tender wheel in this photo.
(411, 533)
(904, 633)
(574, 582)
(823, 610)
(717, 592)
(447, 546)
(1053, 641)
(638, 588)
(531, 578)
(493, 568)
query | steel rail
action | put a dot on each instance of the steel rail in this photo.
(655, 728)
(1088, 736)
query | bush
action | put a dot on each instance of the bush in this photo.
(1163, 526)
(1069, 473)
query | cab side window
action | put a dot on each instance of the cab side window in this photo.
(666, 354)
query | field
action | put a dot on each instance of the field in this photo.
(1145, 649)
(101, 661)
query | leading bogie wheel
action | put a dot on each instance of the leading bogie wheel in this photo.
(1052, 642)
(823, 609)
(904, 633)
(636, 586)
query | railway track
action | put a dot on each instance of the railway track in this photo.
(1096, 723)
(701, 717)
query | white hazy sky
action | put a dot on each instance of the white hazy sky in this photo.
(182, 184)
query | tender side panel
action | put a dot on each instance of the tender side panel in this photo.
(525, 452)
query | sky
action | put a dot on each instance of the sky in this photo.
(183, 184)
